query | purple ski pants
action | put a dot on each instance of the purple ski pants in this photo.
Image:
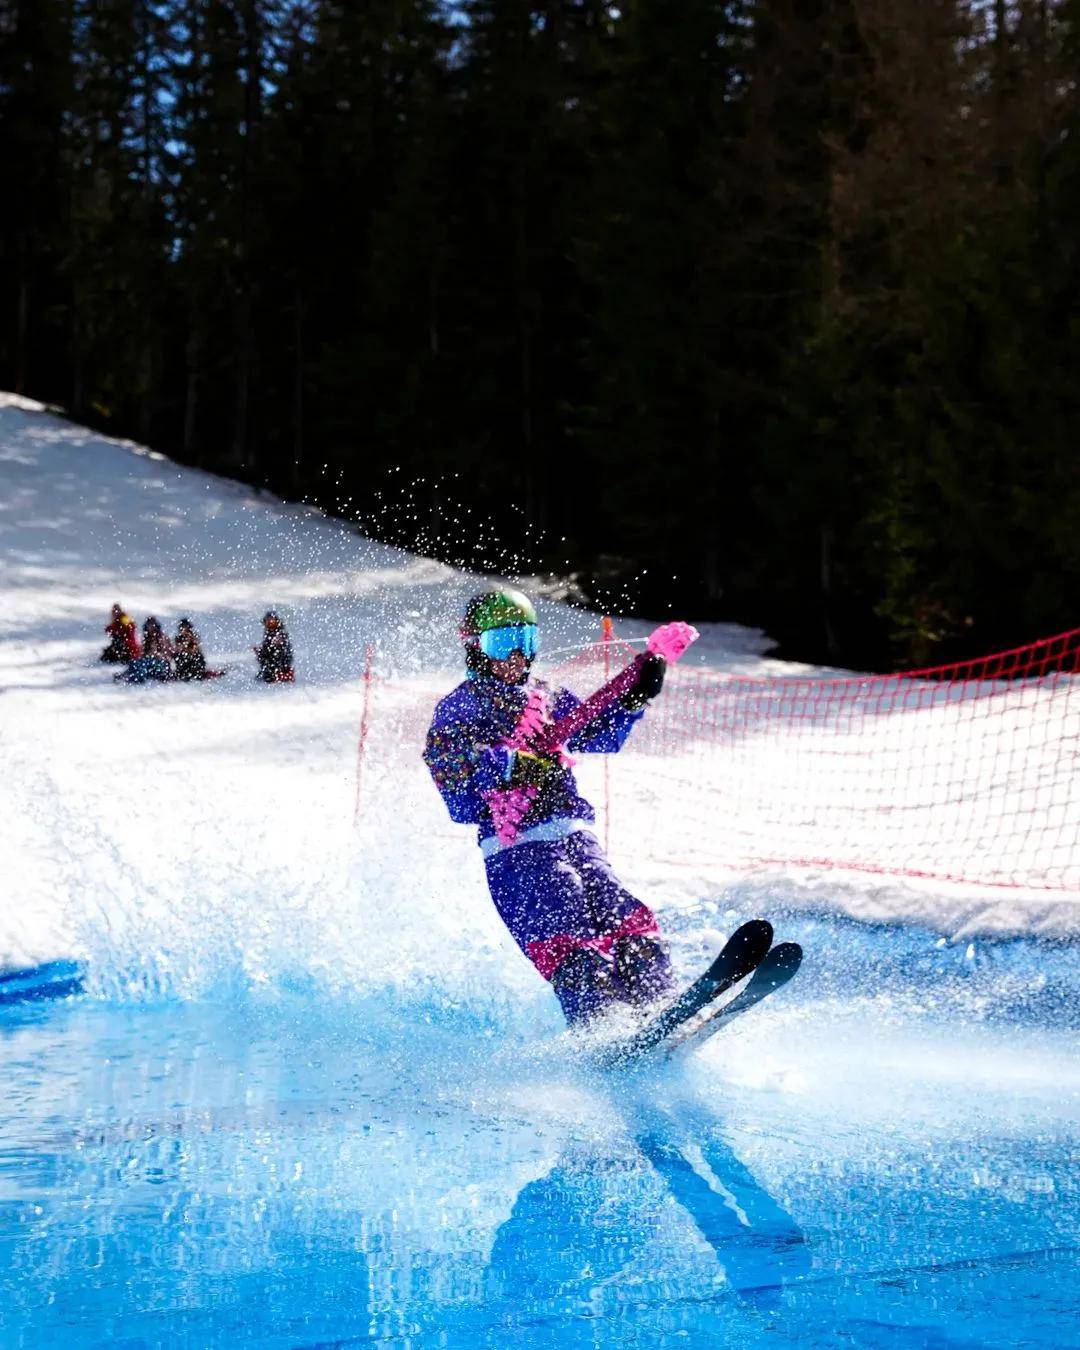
(556, 897)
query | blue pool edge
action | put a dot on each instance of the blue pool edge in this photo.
(53, 979)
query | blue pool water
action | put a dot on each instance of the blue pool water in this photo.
(886, 1154)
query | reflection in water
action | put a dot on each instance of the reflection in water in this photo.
(594, 1215)
(756, 1241)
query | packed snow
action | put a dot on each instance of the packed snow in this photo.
(181, 836)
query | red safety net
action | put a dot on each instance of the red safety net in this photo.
(962, 773)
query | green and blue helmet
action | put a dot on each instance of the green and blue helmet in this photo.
(496, 623)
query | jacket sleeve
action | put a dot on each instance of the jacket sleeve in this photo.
(463, 770)
(606, 735)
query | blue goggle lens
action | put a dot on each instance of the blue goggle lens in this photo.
(498, 643)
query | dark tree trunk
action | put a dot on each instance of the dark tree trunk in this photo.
(298, 388)
(22, 334)
(192, 448)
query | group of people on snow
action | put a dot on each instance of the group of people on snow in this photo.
(158, 657)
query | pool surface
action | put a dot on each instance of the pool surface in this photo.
(883, 1155)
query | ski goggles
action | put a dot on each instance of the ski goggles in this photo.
(498, 643)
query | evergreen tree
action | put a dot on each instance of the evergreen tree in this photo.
(510, 304)
(118, 253)
(35, 102)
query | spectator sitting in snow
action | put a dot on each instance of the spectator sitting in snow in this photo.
(156, 640)
(123, 639)
(156, 659)
(190, 662)
(275, 652)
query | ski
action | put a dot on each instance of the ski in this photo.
(774, 971)
(742, 953)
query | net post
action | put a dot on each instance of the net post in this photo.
(365, 709)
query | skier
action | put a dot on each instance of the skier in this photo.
(552, 885)
(275, 653)
(123, 639)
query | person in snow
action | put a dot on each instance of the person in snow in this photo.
(190, 663)
(155, 663)
(275, 653)
(554, 889)
(124, 643)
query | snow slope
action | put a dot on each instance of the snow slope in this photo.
(180, 837)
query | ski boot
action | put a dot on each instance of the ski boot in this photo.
(585, 985)
(642, 969)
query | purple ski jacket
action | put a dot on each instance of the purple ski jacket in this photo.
(466, 760)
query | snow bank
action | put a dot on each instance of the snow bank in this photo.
(182, 836)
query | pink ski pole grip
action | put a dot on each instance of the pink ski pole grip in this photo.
(672, 639)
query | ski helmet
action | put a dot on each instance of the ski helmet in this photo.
(500, 608)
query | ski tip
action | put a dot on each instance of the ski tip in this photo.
(755, 936)
(780, 964)
(744, 950)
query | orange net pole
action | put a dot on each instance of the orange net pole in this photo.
(365, 714)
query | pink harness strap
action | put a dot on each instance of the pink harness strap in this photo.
(549, 954)
(536, 733)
